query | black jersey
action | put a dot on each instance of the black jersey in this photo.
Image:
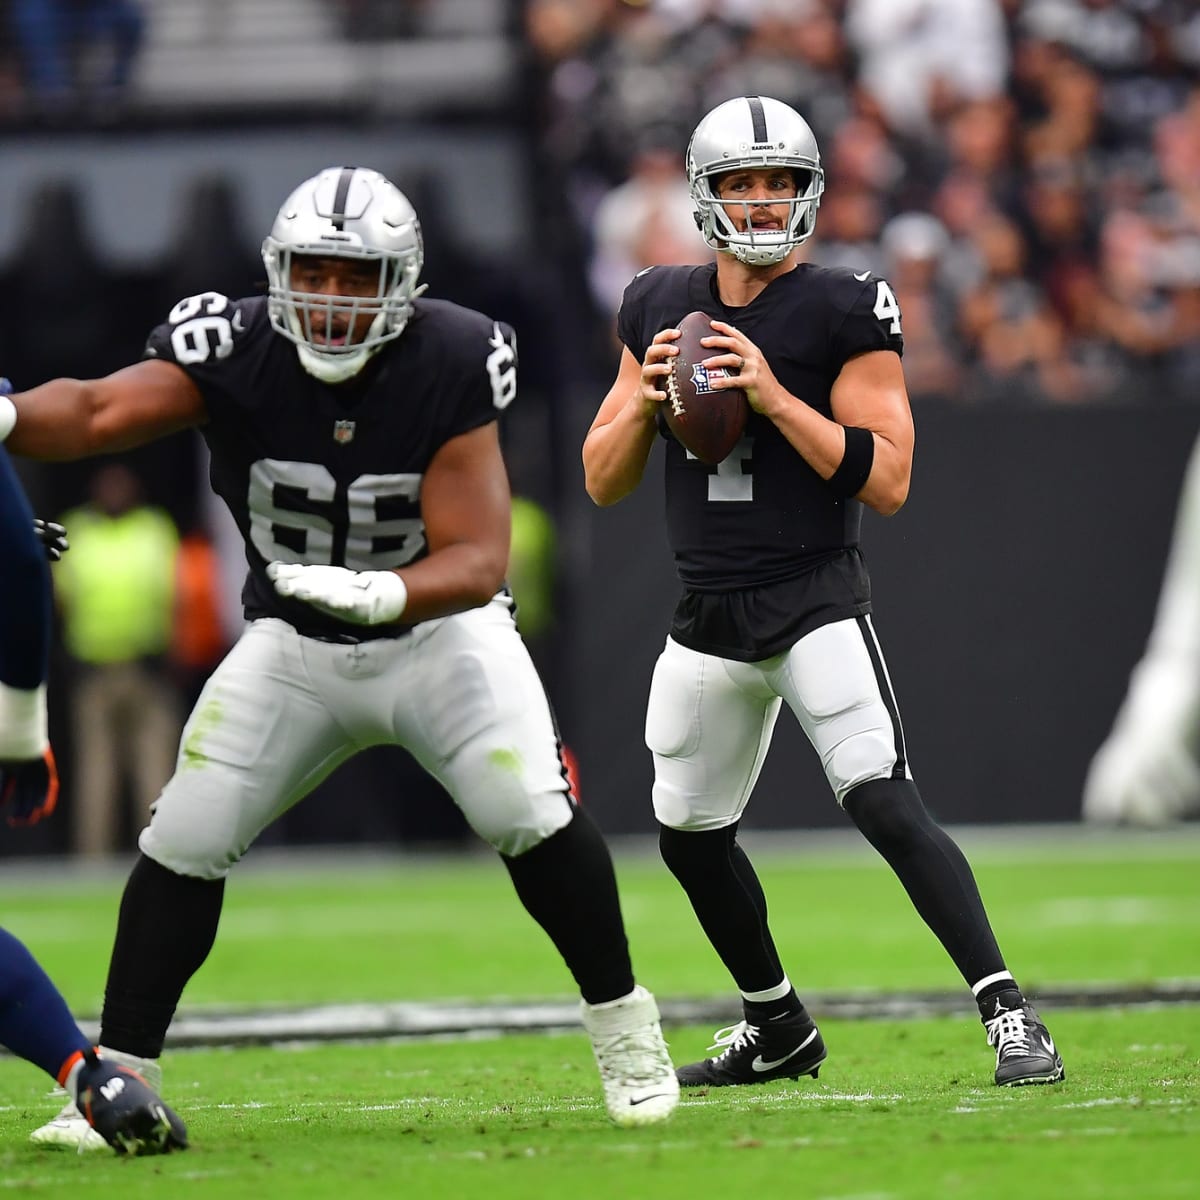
(316, 473)
(764, 516)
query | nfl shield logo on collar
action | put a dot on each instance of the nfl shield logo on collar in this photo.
(343, 432)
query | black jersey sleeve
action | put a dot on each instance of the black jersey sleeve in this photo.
(479, 377)
(866, 315)
(632, 323)
(202, 332)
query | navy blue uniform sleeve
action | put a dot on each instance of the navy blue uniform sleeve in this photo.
(25, 593)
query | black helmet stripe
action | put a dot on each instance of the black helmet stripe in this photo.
(759, 117)
(338, 216)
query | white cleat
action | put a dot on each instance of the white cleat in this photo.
(640, 1087)
(70, 1130)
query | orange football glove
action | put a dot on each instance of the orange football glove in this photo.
(29, 790)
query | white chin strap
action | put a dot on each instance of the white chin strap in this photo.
(334, 368)
(759, 255)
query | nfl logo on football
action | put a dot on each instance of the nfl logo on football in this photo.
(700, 377)
(343, 432)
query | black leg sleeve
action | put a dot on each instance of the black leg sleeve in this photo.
(568, 886)
(933, 870)
(166, 928)
(728, 900)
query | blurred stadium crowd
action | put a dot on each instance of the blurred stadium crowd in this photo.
(1026, 173)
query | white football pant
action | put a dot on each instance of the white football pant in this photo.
(459, 693)
(709, 721)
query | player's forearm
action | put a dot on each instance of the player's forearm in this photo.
(451, 580)
(55, 421)
(615, 454)
(886, 488)
(822, 443)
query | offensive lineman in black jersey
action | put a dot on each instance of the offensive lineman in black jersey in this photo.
(353, 435)
(776, 602)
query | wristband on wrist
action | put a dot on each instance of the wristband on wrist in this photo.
(8, 416)
(855, 467)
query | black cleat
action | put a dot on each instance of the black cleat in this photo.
(783, 1049)
(126, 1111)
(1025, 1051)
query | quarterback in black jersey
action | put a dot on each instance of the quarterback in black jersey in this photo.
(776, 602)
(352, 426)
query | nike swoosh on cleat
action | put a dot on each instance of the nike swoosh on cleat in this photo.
(643, 1099)
(759, 1065)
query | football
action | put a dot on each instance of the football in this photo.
(706, 421)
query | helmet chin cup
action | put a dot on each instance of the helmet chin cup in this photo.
(757, 256)
(331, 368)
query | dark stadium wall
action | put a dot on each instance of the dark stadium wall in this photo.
(1013, 594)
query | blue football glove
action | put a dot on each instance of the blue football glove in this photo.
(29, 790)
(53, 537)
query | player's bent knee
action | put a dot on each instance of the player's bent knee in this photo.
(202, 835)
(512, 832)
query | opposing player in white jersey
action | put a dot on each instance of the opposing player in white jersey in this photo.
(353, 434)
(777, 600)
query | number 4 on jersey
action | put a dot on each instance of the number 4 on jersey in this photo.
(887, 308)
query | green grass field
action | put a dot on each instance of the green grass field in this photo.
(901, 1109)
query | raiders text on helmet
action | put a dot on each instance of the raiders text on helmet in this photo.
(344, 212)
(754, 132)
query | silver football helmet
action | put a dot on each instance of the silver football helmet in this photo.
(754, 132)
(345, 212)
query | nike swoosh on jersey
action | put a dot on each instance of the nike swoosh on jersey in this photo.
(759, 1065)
(863, 277)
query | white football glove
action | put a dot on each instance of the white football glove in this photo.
(361, 597)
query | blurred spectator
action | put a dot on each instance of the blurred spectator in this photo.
(912, 245)
(1138, 318)
(795, 51)
(1012, 335)
(645, 221)
(116, 593)
(77, 55)
(848, 232)
(919, 59)
(1147, 772)
(532, 560)
(198, 633)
